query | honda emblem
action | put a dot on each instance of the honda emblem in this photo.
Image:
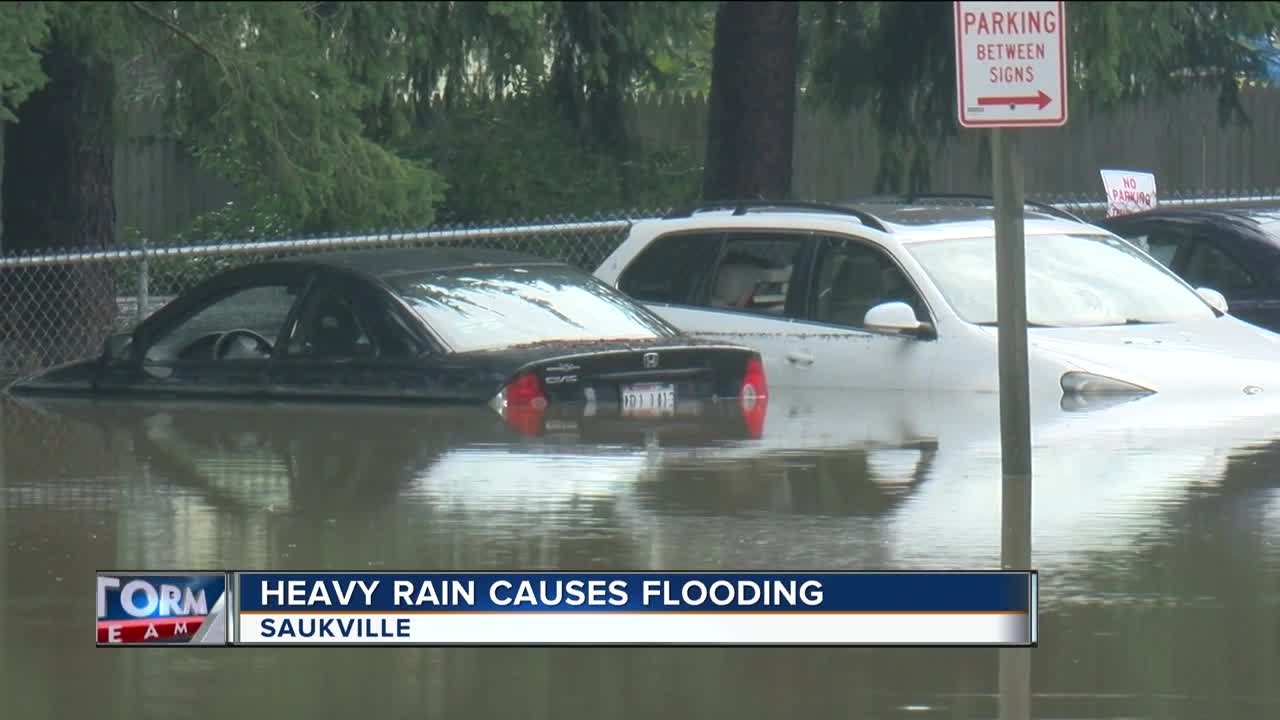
(651, 360)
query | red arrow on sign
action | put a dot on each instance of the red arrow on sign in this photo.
(1039, 100)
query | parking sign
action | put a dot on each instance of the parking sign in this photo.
(1011, 62)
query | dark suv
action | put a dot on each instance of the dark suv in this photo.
(1235, 251)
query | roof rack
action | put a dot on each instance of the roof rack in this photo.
(740, 207)
(1046, 207)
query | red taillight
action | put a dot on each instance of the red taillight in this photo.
(753, 396)
(754, 384)
(525, 390)
(521, 404)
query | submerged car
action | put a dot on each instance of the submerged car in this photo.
(523, 334)
(901, 295)
(1235, 251)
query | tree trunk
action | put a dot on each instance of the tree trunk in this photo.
(751, 123)
(608, 99)
(58, 195)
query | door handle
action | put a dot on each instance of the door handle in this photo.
(799, 358)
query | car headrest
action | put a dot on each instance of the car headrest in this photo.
(733, 282)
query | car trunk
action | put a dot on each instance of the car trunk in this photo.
(651, 380)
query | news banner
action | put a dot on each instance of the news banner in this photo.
(427, 609)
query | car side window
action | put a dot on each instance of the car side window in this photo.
(1163, 248)
(672, 269)
(256, 315)
(339, 323)
(1141, 242)
(853, 277)
(754, 273)
(330, 327)
(1209, 266)
(1160, 243)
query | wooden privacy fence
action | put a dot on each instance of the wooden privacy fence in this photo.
(1179, 139)
(160, 188)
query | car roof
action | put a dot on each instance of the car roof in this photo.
(906, 221)
(383, 263)
(1261, 215)
(927, 221)
(1250, 220)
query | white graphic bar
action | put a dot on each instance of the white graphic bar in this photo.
(622, 628)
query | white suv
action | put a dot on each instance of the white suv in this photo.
(902, 296)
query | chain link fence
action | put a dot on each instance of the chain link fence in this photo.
(56, 308)
(60, 307)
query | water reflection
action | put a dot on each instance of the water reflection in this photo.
(1155, 530)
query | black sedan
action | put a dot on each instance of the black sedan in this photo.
(524, 334)
(1235, 251)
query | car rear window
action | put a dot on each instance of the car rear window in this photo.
(488, 308)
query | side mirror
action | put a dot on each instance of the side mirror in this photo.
(117, 347)
(895, 318)
(1214, 298)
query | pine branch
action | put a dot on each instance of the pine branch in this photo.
(182, 33)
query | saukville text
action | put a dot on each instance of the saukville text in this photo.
(365, 627)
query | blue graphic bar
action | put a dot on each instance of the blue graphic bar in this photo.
(603, 592)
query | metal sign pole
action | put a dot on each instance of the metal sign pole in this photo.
(1015, 403)
(1011, 72)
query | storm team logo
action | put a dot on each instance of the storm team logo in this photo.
(186, 609)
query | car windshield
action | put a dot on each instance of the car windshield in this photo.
(486, 308)
(1272, 228)
(1072, 281)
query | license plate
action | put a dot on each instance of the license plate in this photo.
(648, 400)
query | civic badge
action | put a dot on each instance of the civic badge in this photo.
(651, 360)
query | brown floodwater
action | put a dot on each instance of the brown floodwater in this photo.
(1155, 526)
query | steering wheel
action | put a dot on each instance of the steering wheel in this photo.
(260, 343)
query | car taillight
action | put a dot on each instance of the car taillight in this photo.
(521, 404)
(524, 391)
(753, 397)
(754, 384)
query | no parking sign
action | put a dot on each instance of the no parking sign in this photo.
(1129, 191)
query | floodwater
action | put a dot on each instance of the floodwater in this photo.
(1156, 528)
